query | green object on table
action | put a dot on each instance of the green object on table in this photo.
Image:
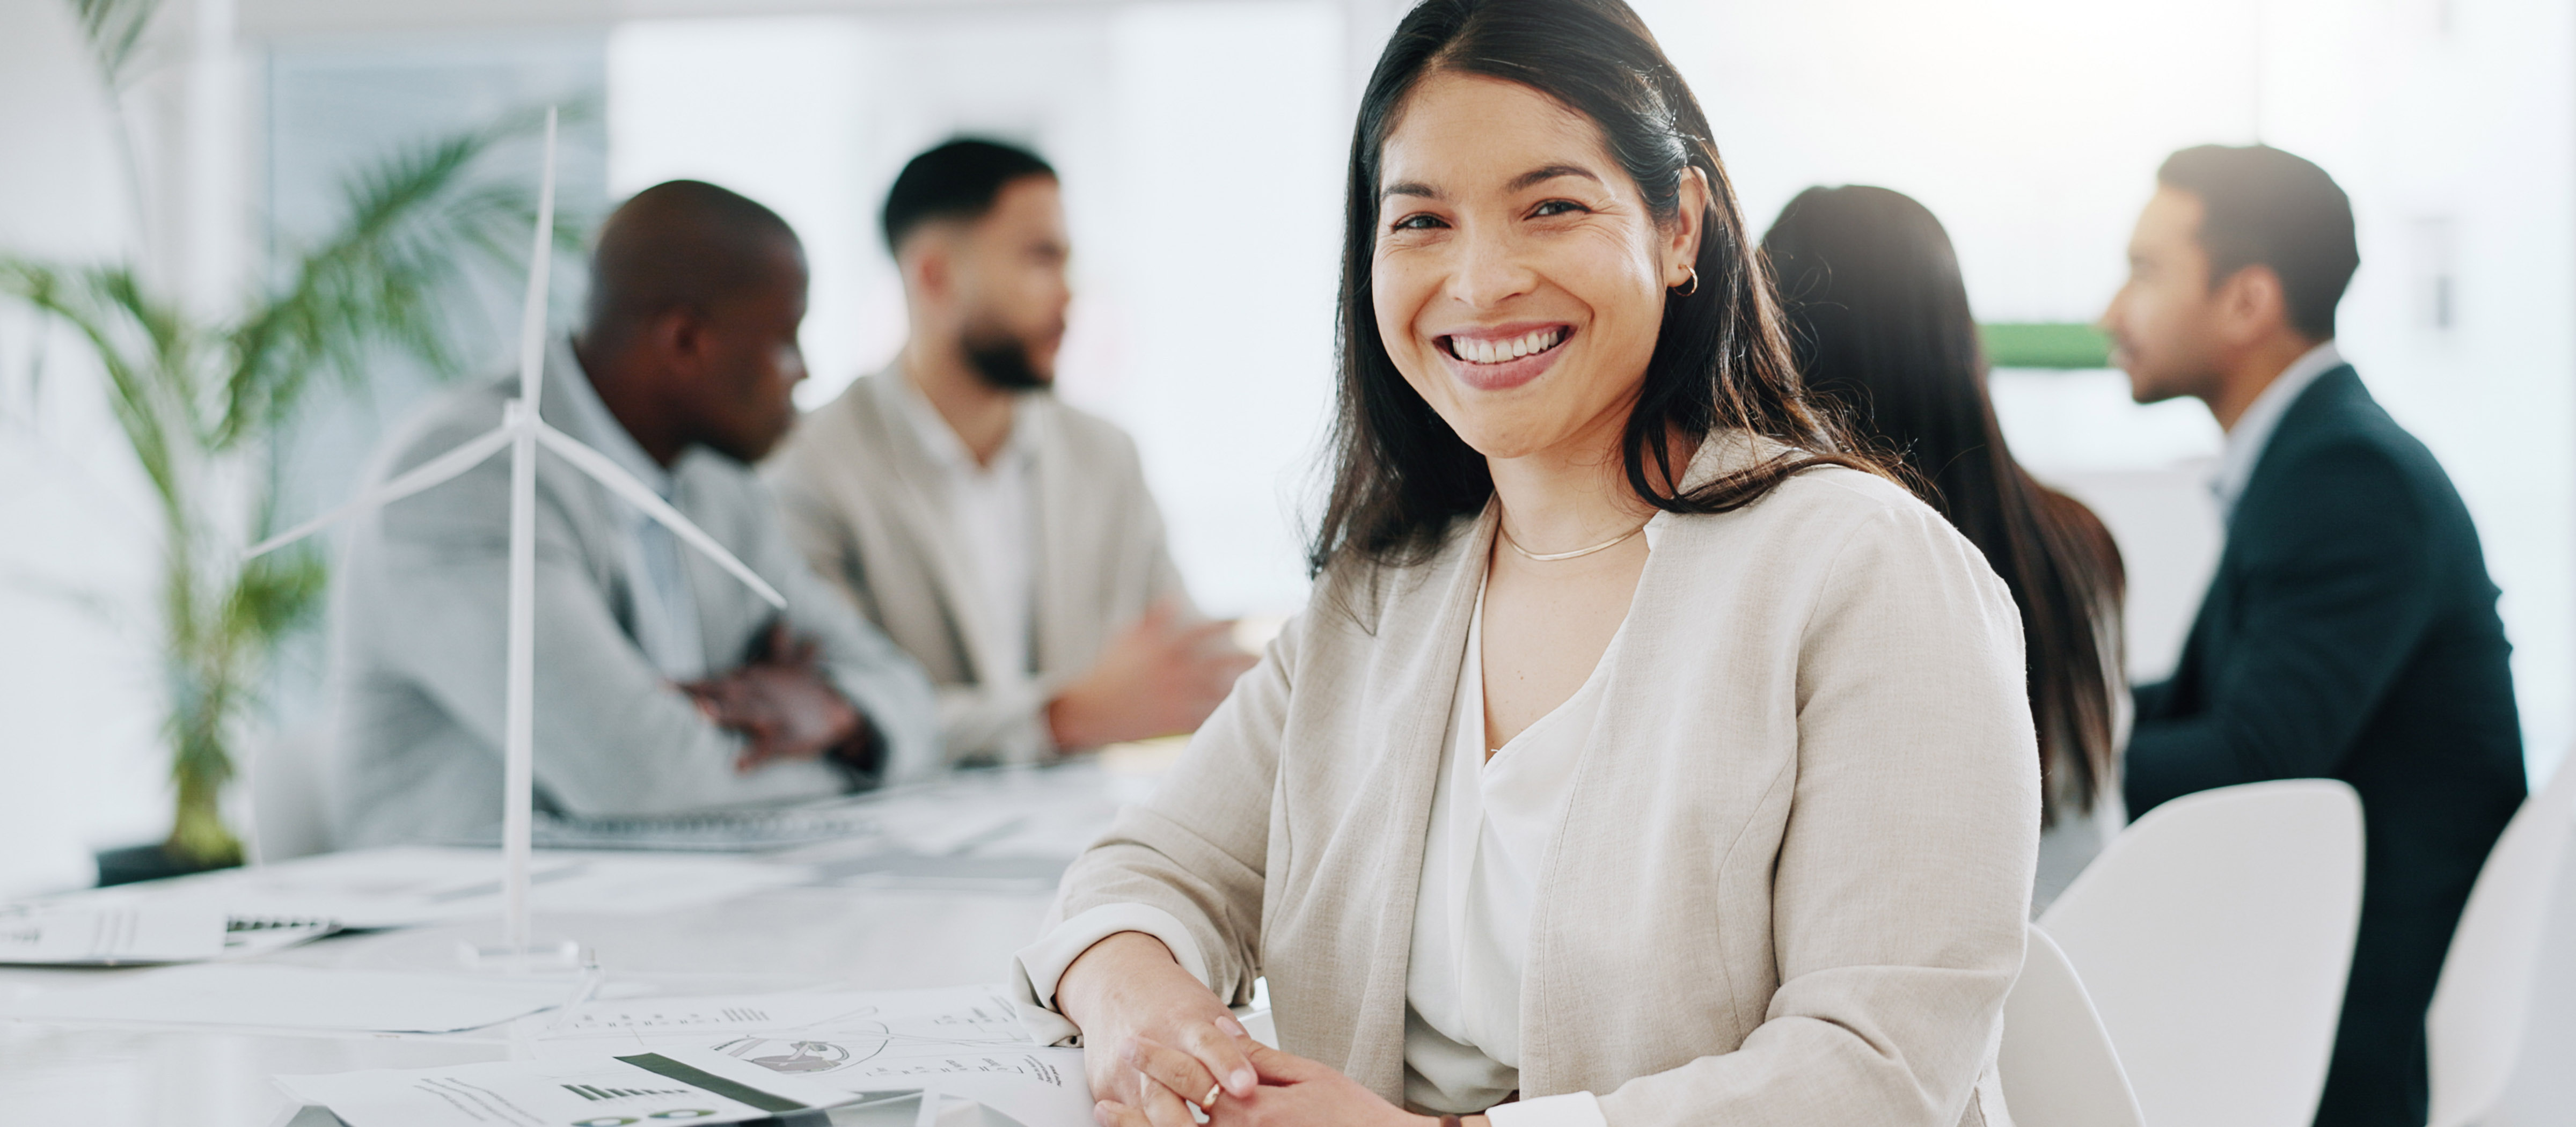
(2045, 344)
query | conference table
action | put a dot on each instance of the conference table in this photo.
(938, 886)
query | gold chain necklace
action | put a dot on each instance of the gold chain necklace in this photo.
(1552, 557)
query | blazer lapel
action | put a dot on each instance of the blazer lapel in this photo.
(2213, 625)
(1426, 642)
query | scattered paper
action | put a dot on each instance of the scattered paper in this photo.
(405, 887)
(260, 996)
(671, 1086)
(964, 1042)
(110, 935)
(724, 831)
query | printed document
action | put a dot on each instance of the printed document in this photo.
(962, 1042)
(110, 935)
(635, 1090)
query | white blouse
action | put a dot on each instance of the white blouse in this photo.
(1491, 822)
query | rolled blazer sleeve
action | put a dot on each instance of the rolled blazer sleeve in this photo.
(1903, 876)
(1196, 854)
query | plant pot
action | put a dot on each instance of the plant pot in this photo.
(145, 862)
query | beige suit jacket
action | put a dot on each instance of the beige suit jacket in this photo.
(865, 502)
(1791, 878)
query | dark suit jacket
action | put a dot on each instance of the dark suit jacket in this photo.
(2351, 633)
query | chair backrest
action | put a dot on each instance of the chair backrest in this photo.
(2543, 1087)
(2474, 1031)
(2214, 936)
(2058, 1067)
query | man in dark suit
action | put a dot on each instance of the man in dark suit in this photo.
(2350, 632)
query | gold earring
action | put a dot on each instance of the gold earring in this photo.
(1690, 285)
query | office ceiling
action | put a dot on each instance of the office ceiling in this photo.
(263, 18)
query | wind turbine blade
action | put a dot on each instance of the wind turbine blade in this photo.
(423, 476)
(541, 257)
(636, 493)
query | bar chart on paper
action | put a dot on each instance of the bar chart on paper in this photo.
(959, 1044)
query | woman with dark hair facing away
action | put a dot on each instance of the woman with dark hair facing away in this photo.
(1645, 755)
(1879, 322)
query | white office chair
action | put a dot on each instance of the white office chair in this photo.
(2058, 1066)
(2214, 936)
(2475, 1029)
(2543, 1087)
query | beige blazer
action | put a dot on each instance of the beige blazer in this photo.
(1790, 883)
(864, 501)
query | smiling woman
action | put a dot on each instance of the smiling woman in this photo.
(1568, 155)
(1646, 756)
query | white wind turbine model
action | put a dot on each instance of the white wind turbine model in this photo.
(522, 431)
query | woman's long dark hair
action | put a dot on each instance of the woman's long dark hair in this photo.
(1721, 362)
(1879, 320)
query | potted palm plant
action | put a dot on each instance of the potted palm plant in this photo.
(198, 400)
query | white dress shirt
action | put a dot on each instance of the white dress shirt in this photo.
(2253, 429)
(666, 613)
(996, 526)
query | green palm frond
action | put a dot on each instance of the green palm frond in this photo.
(276, 593)
(143, 345)
(417, 222)
(115, 30)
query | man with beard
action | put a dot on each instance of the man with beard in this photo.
(1003, 538)
(2350, 631)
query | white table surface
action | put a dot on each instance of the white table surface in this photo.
(873, 932)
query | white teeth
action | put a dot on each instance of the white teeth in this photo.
(1496, 352)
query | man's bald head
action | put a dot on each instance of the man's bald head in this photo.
(683, 245)
(695, 298)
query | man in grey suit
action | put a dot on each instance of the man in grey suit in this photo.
(1000, 536)
(663, 685)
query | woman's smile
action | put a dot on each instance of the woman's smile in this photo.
(1502, 357)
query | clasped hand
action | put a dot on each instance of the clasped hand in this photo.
(1156, 1041)
(781, 701)
(1291, 1092)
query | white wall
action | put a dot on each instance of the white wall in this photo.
(80, 759)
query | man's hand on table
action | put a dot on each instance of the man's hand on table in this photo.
(782, 702)
(1157, 677)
